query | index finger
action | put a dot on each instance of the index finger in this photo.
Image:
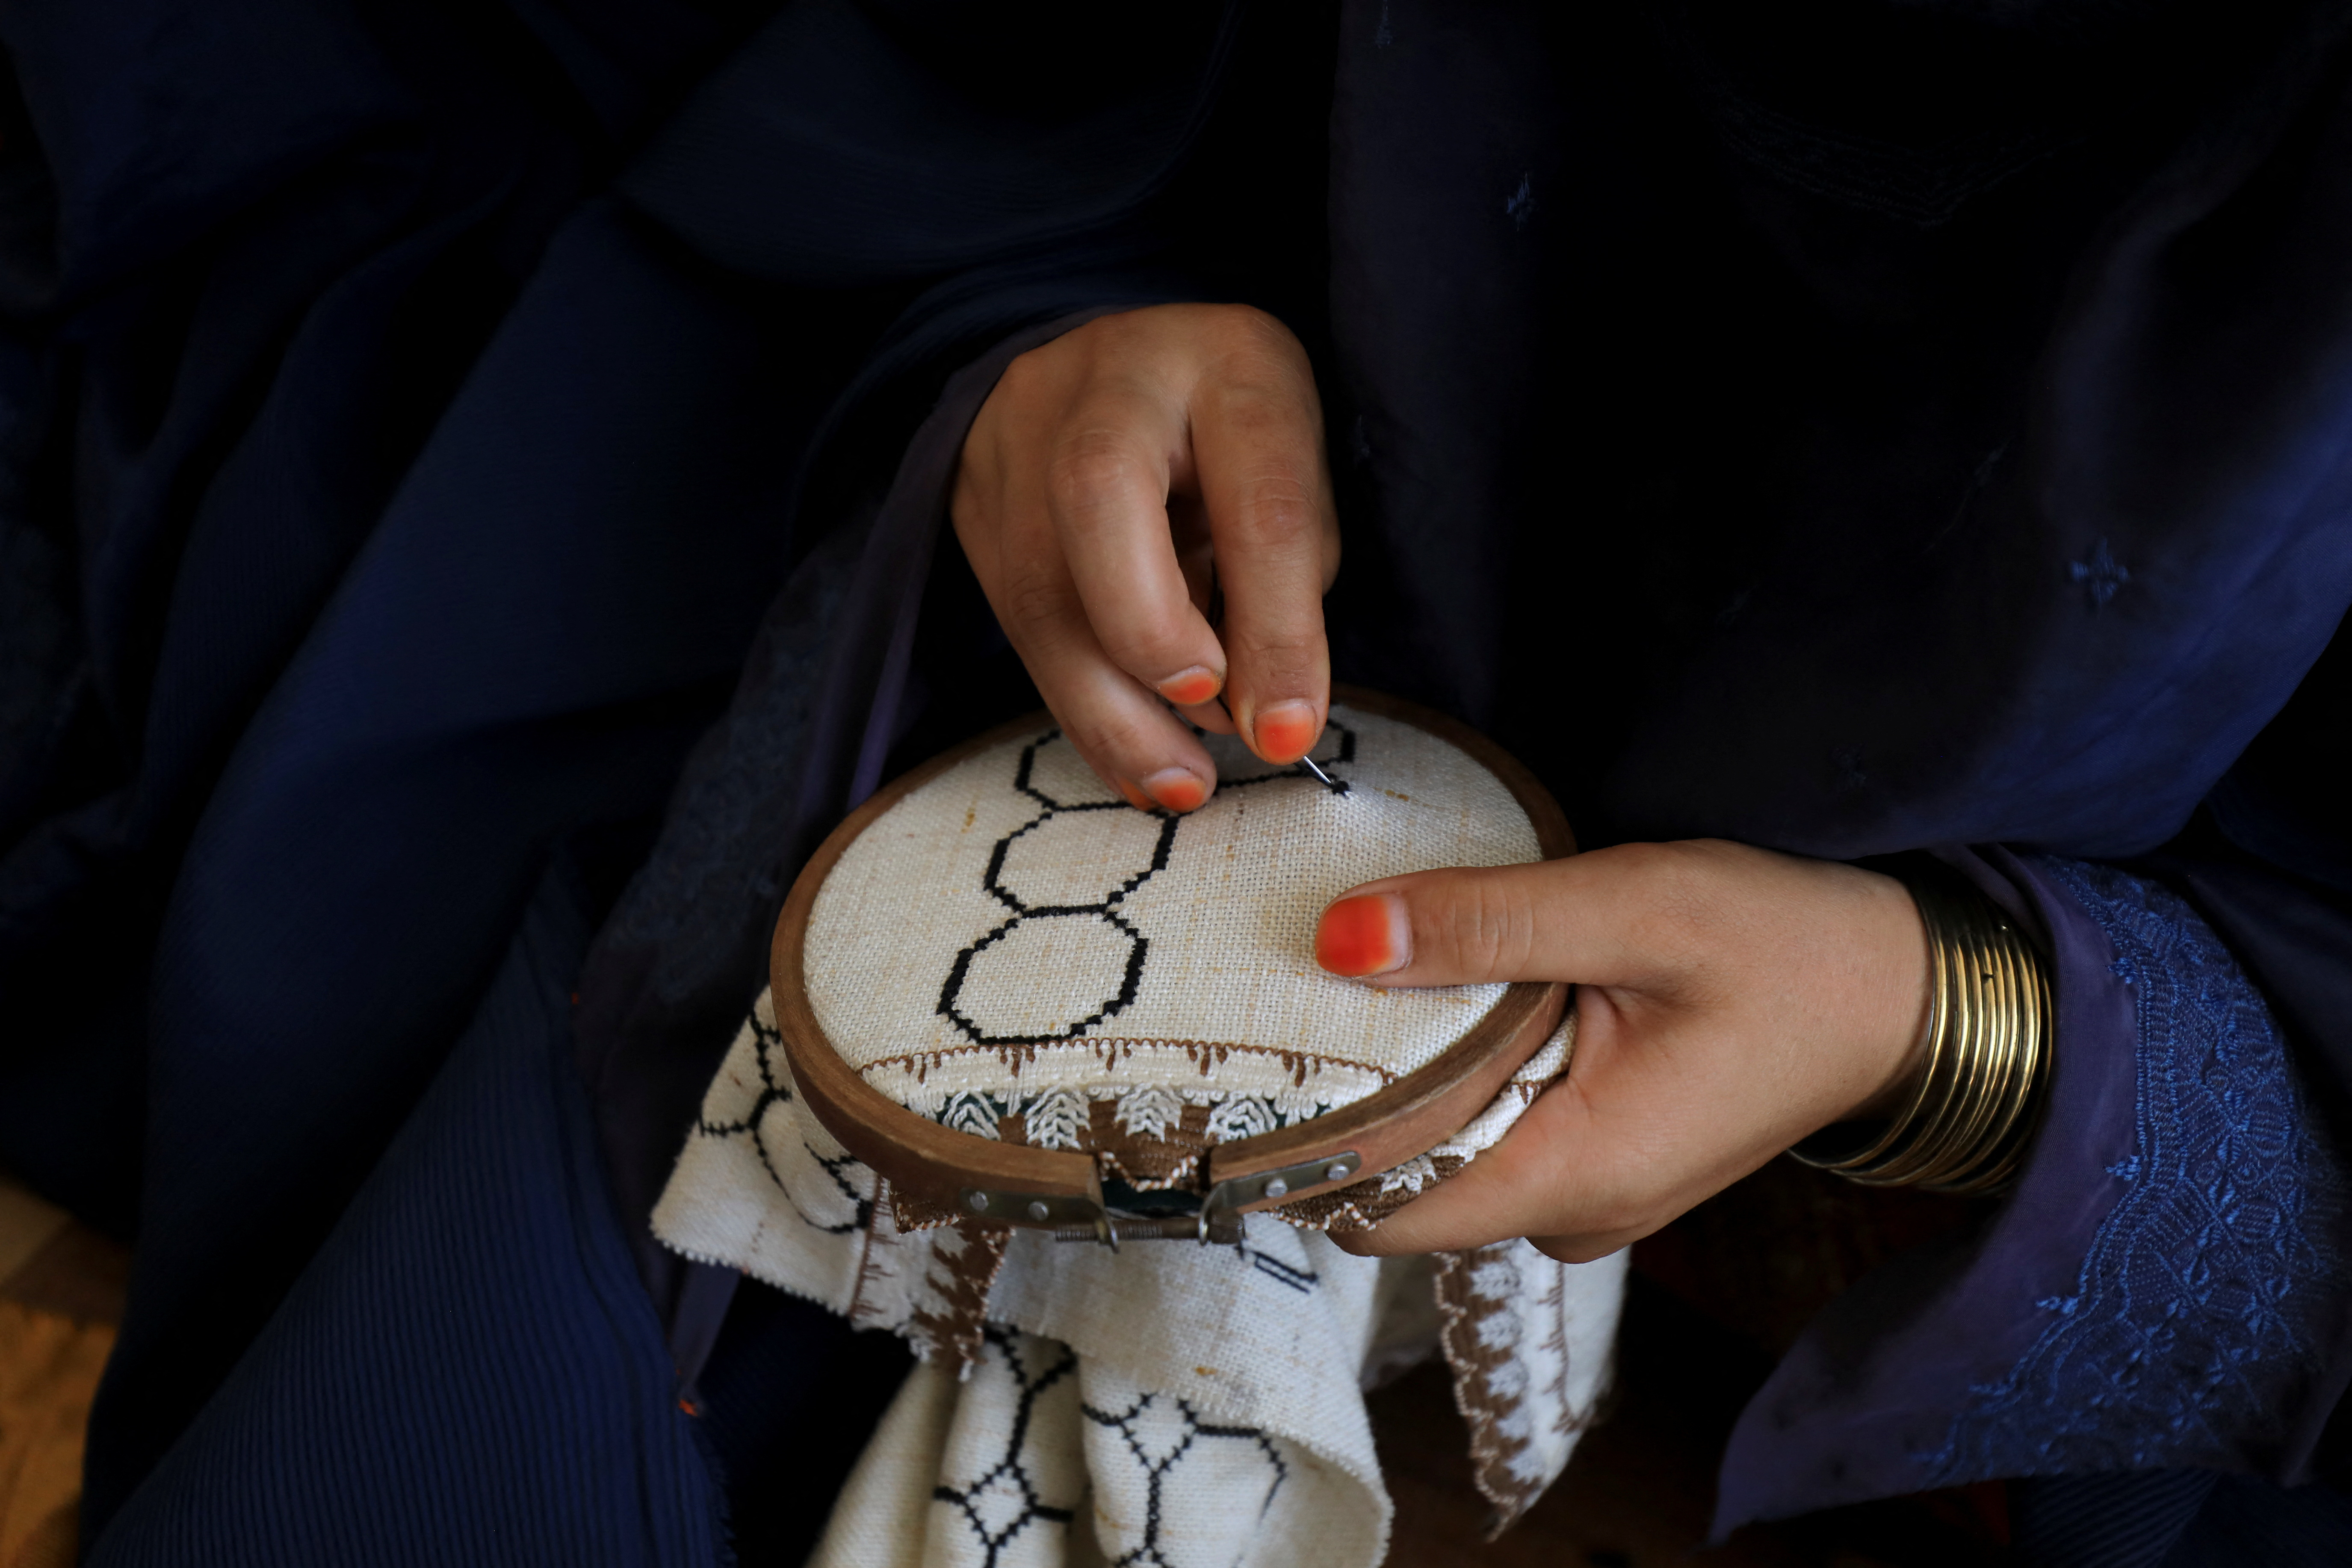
(1107, 493)
(1257, 446)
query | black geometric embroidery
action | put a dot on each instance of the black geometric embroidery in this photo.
(753, 1126)
(1155, 1471)
(1008, 1480)
(1106, 909)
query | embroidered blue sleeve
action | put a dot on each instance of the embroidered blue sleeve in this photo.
(2211, 1290)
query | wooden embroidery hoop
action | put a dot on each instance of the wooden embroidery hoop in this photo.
(1061, 1190)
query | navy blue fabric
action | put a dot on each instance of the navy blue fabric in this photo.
(2248, 1520)
(2113, 1519)
(2012, 526)
(787, 1397)
(467, 1371)
(249, 251)
(1009, 135)
(549, 612)
(2176, 1519)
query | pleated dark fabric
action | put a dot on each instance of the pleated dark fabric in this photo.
(2176, 1519)
(2121, 1519)
(468, 1370)
(550, 610)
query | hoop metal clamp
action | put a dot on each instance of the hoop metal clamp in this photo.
(1161, 1215)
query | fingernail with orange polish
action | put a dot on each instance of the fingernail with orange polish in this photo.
(1285, 731)
(1176, 789)
(1364, 935)
(1193, 688)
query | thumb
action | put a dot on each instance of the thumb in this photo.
(1557, 919)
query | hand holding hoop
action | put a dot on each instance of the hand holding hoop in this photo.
(1731, 1000)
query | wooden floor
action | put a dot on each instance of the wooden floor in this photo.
(1639, 1492)
(60, 1299)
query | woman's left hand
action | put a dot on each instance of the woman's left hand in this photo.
(1730, 1002)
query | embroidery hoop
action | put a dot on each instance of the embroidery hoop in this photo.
(997, 1184)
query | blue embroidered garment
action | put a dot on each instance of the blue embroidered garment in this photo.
(2208, 1296)
(2162, 1288)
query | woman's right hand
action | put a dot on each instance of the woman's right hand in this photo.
(1117, 483)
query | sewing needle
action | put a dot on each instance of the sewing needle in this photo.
(1337, 786)
(1334, 786)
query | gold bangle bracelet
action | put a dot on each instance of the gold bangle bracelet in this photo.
(1992, 1006)
(1987, 1045)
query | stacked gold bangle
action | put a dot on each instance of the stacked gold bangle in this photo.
(1988, 1042)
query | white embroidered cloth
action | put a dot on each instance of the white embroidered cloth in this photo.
(1168, 1404)
(1011, 942)
(1013, 951)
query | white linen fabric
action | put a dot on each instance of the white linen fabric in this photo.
(1012, 943)
(1171, 1403)
(1014, 951)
